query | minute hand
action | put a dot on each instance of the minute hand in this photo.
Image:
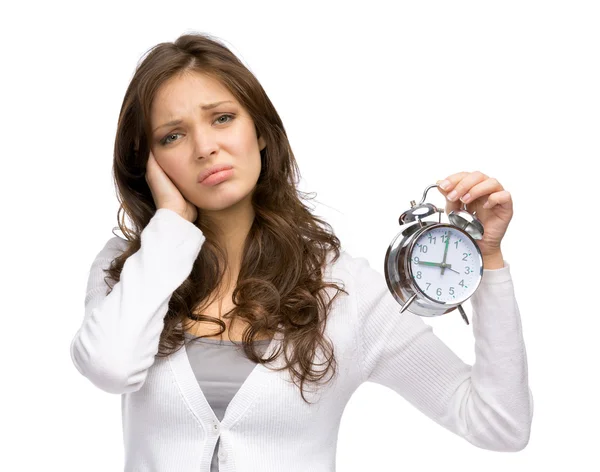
(445, 254)
(439, 264)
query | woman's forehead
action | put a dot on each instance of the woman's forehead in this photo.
(178, 98)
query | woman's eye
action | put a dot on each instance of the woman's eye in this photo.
(166, 139)
(227, 115)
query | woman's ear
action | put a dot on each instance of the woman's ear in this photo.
(261, 143)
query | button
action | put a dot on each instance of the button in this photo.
(216, 428)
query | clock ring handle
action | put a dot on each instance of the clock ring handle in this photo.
(432, 186)
(462, 218)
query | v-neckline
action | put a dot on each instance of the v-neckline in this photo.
(241, 401)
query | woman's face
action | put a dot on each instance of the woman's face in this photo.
(202, 138)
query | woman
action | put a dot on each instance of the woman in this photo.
(220, 239)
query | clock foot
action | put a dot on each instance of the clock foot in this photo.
(406, 305)
(463, 314)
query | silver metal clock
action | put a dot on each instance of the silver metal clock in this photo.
(431, 268)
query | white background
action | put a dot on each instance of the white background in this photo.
(379, 99)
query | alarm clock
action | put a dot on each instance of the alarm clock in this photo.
(432, 268)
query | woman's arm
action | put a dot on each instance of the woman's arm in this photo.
(120, 333)
(489, 404)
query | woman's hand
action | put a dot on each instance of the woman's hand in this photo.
(165, 193)
(493, 204)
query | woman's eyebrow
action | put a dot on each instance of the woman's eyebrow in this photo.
(203, 107)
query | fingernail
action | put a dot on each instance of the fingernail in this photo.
(465, 198)
(444, 184)
(452, 195)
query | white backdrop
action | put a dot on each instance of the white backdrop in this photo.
(379, 99)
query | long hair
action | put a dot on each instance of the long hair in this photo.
(279, 287)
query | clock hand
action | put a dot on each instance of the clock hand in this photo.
(445, 254)
(437, 264)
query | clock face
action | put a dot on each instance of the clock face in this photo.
(459, 278)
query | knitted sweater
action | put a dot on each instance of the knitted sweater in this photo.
(168, 425)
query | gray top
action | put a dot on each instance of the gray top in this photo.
(220, 367)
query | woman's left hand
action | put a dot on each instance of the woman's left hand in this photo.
(483, 190)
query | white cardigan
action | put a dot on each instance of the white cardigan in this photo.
(169, 426)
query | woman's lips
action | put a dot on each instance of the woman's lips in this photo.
(211, 170)
(217, 177)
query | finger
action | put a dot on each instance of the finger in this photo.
(460, 183)
(487, 187)
(463, 186)
(502, 198)
(453, 180)
(148, 164)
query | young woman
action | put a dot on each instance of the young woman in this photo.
(224, 260)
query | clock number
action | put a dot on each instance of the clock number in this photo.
(462, 283)
(451, 290)
(444, 238)
(432, 238)
(423, 247)
(416, 259)
(467, 270)
(418, 275)
(428, 285)
(438, 292)
(466, 255)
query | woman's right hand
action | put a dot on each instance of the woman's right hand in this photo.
(165, 193)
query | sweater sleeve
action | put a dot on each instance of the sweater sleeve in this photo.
(120, 333)
(490, 403)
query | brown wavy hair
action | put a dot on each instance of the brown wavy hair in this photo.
(286, 250)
